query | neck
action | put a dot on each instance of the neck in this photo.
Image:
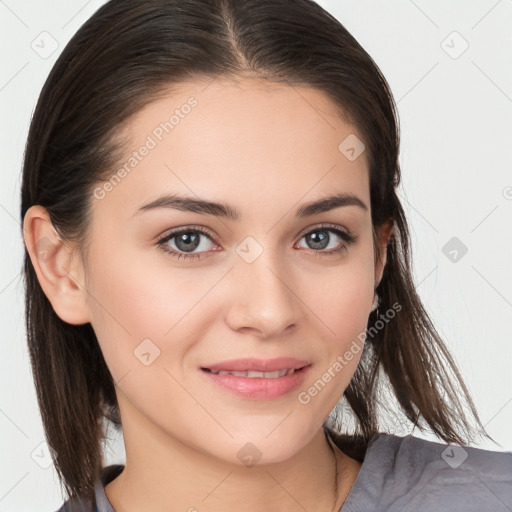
(162, 472)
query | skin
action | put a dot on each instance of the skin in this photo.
(266, 149)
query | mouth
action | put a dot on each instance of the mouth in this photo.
(258, 379)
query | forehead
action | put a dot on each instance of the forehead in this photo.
(244, 137)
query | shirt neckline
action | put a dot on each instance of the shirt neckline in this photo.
(355, 491)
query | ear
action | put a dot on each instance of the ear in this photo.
(58, 267)
(384, 234)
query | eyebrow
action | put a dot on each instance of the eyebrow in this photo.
(190, 204)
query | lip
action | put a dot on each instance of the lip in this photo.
(259, 388)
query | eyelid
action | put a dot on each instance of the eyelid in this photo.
(326, 225)
(212, 235)
(169, 233)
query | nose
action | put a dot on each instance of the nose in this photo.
(263, 301)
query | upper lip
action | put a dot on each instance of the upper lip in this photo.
(261, 365)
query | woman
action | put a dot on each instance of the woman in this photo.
(217, 257)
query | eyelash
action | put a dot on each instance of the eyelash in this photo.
(348, 238)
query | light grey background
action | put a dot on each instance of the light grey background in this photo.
(455, 110)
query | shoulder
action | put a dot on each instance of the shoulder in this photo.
(99, 502)
(412, 474)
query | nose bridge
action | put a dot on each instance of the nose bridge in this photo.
(265, 300)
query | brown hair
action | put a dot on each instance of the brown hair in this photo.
(122, 58)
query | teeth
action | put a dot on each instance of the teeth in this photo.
(256, 374)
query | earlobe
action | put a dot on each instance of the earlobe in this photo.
(57, 266)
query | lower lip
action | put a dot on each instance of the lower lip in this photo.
(259, 388)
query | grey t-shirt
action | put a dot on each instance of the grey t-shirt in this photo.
(406, 474)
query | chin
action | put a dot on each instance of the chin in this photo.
(266, 446)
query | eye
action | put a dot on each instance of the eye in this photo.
(324, 237)
(191, 241)
(181, 242)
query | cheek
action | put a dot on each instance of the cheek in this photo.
(341, 295)
(339, 303)
(130, 302)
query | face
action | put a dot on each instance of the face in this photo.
(178, 289)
